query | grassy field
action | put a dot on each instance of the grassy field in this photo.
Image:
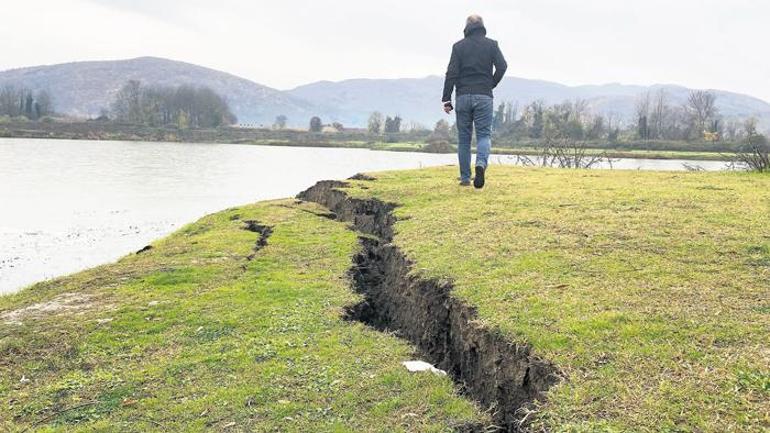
(650, 291)
(202, 333)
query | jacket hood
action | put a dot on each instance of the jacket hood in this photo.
(475, 28)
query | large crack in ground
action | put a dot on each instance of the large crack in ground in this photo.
(502, 376)
(264, 233)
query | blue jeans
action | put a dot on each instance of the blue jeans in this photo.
(473, 110)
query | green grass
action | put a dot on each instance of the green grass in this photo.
(649, 290)
(191, 336)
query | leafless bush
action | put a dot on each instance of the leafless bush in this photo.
(524, 161)
(570, 153)
(438, 146)
(754, 154)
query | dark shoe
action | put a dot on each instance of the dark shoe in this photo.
(465, 183)
(478, 181)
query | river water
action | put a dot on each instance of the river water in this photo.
(70, 205)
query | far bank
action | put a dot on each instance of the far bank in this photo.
(413, 141)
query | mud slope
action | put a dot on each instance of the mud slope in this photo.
(504, 377)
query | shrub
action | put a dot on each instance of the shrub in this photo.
(438, 146)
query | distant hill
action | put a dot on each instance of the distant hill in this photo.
(418, 99)
(83, 89)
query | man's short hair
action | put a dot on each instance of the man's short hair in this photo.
(474, 19)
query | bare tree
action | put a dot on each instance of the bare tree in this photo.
(613, 127)
(731, 130)
(511, 113)
(375, 123)
(597, 128)
(534, 118)
(659, 114)
(498, 119)
(580, 110)
(414, 126)
(20, 101)
(701, 107)
(127, 104)
(44, 103)
(643, 103)
(9, 101)
(678, 126)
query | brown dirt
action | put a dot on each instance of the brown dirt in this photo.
(65, 303)
(503, 376)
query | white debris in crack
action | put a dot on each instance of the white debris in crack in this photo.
(420, 366)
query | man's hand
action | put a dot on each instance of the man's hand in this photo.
(448, 107)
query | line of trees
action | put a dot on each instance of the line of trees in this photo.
(697, 119)
(22, 102)
(381, 124)
(657, 118)
(316, 124)
(570, 119)
(183, 106)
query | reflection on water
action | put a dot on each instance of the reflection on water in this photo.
(69, 205)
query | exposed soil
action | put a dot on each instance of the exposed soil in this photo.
(65, 303)
(264, 233)
(368, 216)
(502, 376)
(362, 176)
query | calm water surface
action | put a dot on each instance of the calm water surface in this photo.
(69, 205)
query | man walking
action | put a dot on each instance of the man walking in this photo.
(471, 72)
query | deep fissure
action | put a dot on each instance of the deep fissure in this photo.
(264, 233)
(504, 377)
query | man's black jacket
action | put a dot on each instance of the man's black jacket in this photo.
(470, 68)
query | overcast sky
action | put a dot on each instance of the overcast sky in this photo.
(284, 43)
